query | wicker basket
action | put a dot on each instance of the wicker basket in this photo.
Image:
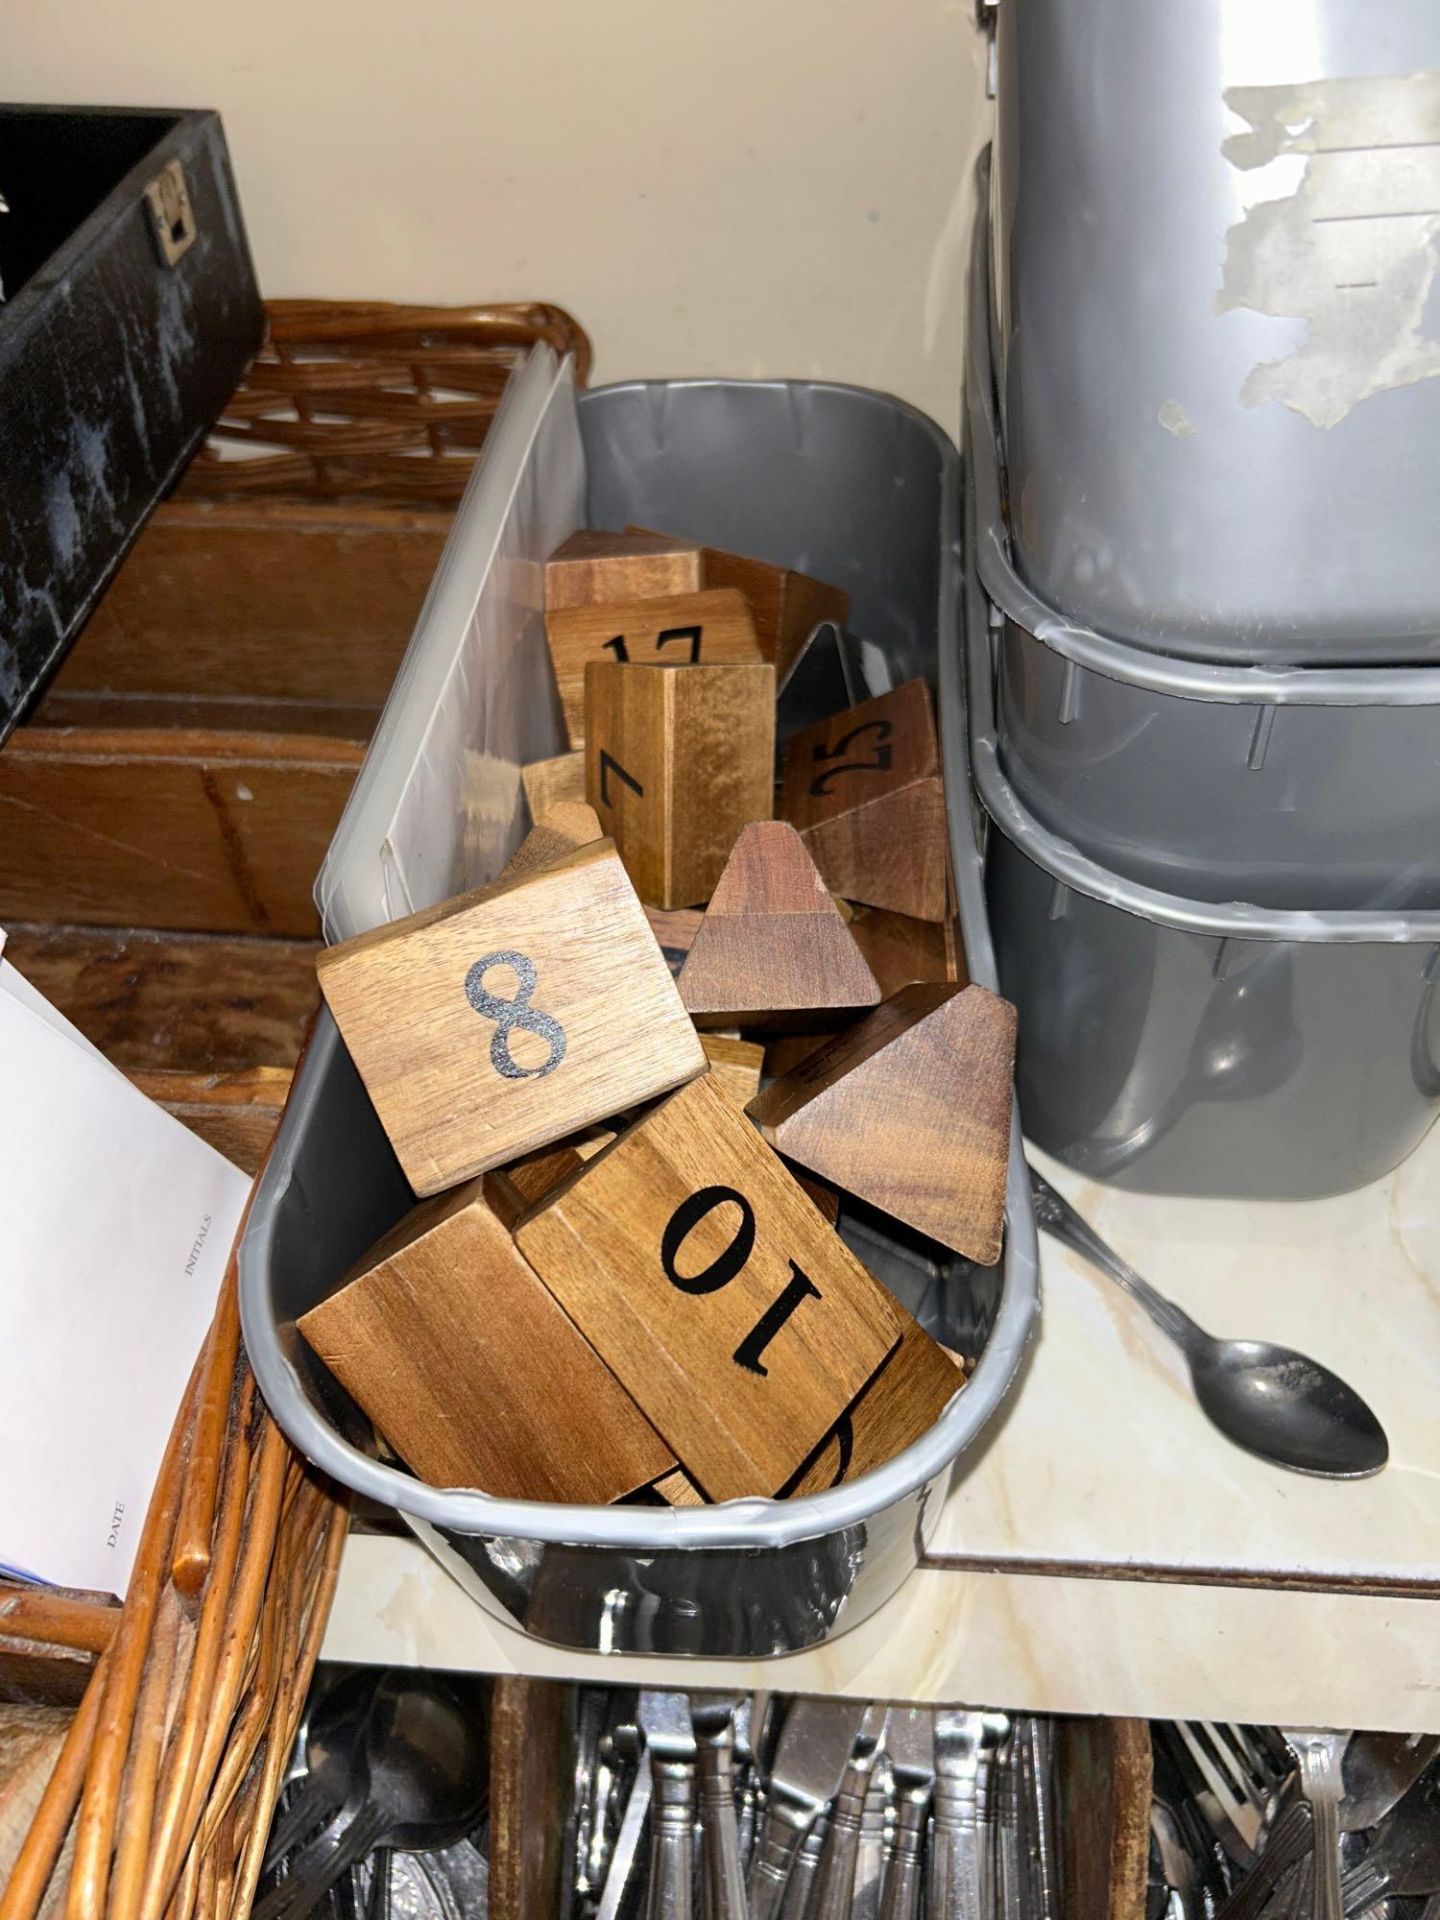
(160, 1802)
(355, 400)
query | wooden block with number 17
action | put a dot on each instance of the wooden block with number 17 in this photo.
(739, 1322)
(507, 1018)
(691, 629)
(677, 761)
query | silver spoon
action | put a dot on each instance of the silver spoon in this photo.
(1270, 1400)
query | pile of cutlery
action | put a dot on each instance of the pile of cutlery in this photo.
(746, 1807)
(752, 1807)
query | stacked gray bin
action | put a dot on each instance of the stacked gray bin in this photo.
(1214, 886)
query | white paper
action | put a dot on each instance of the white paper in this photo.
(115, 1226)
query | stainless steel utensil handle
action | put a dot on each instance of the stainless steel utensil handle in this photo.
(672, 1840)
(1054, 1213)
(1318, 1760)
(954, 1878)
(901, 1900)
(1288, 1844)
(1362, 1887)
(722, 1878)
(835, 1881)
(770, 1866)
(796, 1903)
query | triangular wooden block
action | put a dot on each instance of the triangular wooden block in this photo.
(865, 791)
(910, 1109)
(772, 940)
(564, 827)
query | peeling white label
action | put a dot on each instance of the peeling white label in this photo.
(1353, 250)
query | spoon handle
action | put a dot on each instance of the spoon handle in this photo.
(1055, 1214)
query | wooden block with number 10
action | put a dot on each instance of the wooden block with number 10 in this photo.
(864, 791)
(739, 1322)
(507, 1018)
(677, 761)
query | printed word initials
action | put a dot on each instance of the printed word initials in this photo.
(726, 1264)
(881, 729)
(509, 1014)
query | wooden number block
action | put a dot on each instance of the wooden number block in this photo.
(675, 932)
(787, 1050)
(739, 1322)
(692, 629)
(677, 761)
(772, 944)
(470, 1369)
(900, 950)
(508, 1018)
(590, 567)
(559, 831)
(547, 782)
(903, 1402)
(864, 790)
(734, 1066)
(826, 1199)
(678, 1490)
(910, 1109)
(787, 606)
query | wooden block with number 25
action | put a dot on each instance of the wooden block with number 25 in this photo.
(506, 1018)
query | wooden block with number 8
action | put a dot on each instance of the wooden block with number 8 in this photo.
(677, 761)
(689, 629)
(507, 1018)
(708, 1282)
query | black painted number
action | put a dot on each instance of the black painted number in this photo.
(609, 766)
(692, 634)
(617, 646)
(881, 729)
(750, 1353)
(510, 1014)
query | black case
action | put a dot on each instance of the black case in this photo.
(131, 313)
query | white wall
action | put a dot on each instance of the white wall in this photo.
(711, 186)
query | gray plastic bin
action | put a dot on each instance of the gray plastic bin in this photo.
(1172, 1045)
(1216, 226)
(1308, 787)
(864, 491)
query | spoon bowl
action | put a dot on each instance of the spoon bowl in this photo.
(1286, 1408)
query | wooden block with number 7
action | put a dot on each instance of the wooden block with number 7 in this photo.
(677, 761)
(709, 1283)
(507, 1018)
(864, 791)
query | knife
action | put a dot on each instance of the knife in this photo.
(722, 1879)
(665, 1720)
(910, 1743)
(814, 1751)
(954, 1878)
(835, 1884)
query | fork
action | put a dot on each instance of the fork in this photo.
(1319, 1755)
(1228, 1784)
